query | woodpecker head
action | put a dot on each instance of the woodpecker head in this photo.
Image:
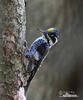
(51, 35)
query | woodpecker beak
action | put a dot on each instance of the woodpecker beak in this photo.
(44, 31)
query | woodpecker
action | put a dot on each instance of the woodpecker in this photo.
(40, 47)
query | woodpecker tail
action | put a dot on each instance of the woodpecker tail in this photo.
(32, 74)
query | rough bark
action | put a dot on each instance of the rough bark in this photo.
(12, 34)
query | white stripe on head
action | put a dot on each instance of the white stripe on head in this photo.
(51, 43)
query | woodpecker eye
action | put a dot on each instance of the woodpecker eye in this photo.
(52, 35)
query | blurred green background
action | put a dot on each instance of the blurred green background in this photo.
(62, 69)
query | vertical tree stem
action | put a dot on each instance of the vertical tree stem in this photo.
(13, 29)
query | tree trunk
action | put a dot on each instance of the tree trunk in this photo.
(12, 29)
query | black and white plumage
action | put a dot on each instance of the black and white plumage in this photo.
(39, 50)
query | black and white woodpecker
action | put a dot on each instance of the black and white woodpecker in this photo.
(40, 47)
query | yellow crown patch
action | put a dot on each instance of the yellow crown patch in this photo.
(50, 29)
